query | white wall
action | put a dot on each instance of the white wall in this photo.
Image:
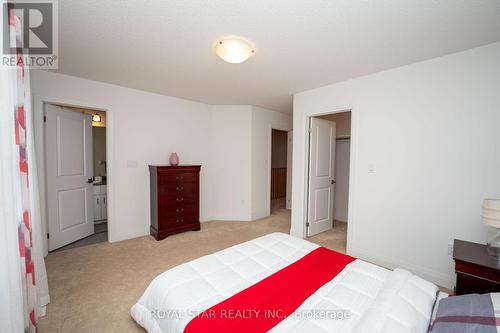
(263, 121)
(430, 130)
(230, 142)
(142, 127)
(242, 180)
(230, 156)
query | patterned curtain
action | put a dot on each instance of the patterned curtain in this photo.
(24, 224)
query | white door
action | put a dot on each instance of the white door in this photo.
(321, 176)
(68, 159)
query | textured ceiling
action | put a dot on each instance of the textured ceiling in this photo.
(165, 46)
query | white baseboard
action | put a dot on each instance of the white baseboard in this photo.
(438, 278)
(232, 218)
(127, 236)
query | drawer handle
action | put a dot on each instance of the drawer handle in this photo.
(180, 188)
(179, 177)
(180, 199)
(180, 220)
(180, 210)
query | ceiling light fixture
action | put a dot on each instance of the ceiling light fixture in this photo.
(96, 118)
(234, 50)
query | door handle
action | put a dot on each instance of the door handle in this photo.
(90, 180)
(333, 181)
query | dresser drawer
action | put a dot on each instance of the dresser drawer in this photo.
(179, 215)
(177, 178)
(179, 209)
(177, 199)
(175, 190)
(169, 222)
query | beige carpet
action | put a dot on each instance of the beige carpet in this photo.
(93, 287)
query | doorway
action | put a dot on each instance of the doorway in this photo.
(75, 176)
(279, 169)
(328, 177)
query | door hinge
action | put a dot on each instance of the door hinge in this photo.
(48, 236)
(307, 224)
(309, 129)
(44, 119)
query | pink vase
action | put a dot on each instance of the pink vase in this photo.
(174, 159)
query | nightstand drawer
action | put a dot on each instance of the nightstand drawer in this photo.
(470, 284)
(476, 270)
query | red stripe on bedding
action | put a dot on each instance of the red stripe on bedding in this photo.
(263, 305)
(487, 321)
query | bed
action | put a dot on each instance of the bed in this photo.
(362, 297)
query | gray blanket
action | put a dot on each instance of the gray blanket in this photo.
(468, 314)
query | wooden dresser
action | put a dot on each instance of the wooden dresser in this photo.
(477, 271)
(175, 194)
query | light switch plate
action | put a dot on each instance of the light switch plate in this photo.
(131, 164)
(371, 168)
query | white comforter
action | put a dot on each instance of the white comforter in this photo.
(376, 300)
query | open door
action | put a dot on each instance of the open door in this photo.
(69, 172)
(321, 176)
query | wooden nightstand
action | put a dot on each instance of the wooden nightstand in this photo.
(477, 271)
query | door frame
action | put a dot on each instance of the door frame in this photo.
(352, 167)
(269, 161)
(39, 134)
